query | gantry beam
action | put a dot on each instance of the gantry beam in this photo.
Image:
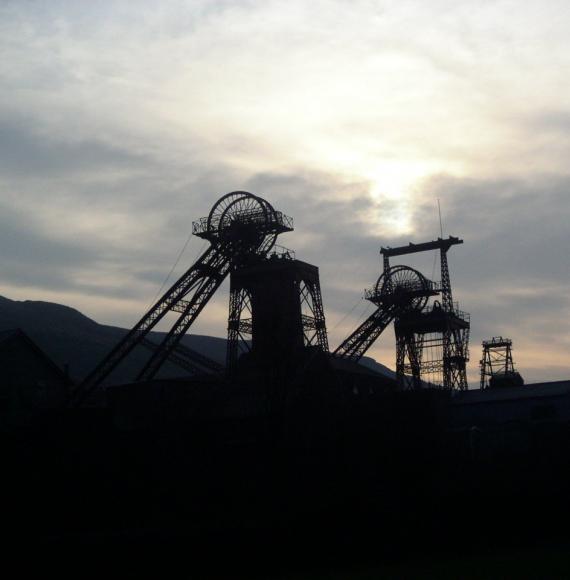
(439, 244)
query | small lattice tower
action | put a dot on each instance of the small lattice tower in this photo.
(497, 367)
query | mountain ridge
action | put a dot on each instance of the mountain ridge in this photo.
(73, 339)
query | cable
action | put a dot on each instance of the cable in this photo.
(346, 315)
(365, 313)
(174, 267)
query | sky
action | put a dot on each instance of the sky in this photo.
(121, 122)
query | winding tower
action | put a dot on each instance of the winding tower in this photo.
(431, 344)
(242, 229)
(497, 367)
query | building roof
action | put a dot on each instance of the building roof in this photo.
(18, 334)
(531, 391)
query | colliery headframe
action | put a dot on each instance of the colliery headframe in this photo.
(276, 316)
(431, 339)
(241, 229)
(432, 342)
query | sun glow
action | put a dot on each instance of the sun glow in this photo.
(392, 186)
(390, 181)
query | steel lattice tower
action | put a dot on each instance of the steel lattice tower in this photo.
(276, 311)
(398, 290)
(241, 228)
(432, 345)
(497, 365)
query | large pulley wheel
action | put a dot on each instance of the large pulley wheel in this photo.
(219, 208)
(403, 287)
(270, 233)
(241, 218)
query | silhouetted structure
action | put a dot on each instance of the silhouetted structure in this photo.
(432, 342)
(293, 446)
(276, 309)
(241, 228)
(31, 384)
(187, 358)
(497, 367)
(398, 290)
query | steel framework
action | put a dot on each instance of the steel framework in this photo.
(497, 363)
(398, 290)
(240, 326)
(276, 308)
(241, 227)
(432, 345)
(191, 361)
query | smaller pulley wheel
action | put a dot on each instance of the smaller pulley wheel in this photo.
(403, 287)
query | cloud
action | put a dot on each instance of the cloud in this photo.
(515, 229)
(513, 271)
(119, 125)
(27, 153)
(31, 257)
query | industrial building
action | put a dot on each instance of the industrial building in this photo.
(32, 384)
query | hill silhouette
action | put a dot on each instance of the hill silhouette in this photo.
(71, 338)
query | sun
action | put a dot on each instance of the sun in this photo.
(391, 181)
(392, 186)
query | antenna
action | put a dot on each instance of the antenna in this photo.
(440, 222)
(441, 236)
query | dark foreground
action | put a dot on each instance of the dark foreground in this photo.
(386, 491)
